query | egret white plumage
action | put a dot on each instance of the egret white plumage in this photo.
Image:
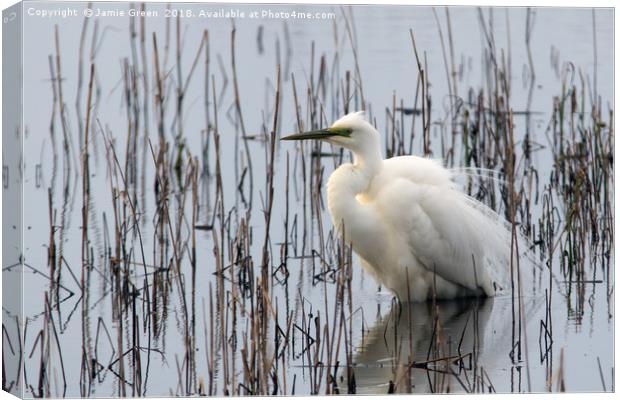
(415, 232)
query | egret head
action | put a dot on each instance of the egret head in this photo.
(351, 131)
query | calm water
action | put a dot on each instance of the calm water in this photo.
(582, 337)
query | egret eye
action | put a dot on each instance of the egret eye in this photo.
(337, 131)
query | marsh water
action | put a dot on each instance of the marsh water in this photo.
(181, 311)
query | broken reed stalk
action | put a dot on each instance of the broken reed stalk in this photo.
(51, 251)
(61, 106)
(248, 155)
(159, 95)
(145, 105)
(348, 23)
(425, 100)
(449, 157)
(78, 97)
(86, 352)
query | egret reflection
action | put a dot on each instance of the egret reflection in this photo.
(440, 341)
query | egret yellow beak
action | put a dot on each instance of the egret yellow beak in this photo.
(319, 134)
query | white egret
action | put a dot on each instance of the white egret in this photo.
(405, 218)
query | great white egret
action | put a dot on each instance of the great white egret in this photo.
(415, 232)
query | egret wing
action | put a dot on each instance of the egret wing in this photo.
(451, 234)
(469, 244)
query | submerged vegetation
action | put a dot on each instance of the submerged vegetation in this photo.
(203, 271)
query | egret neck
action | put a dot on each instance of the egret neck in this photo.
(347, 186)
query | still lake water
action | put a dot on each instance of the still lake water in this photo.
(582, 342)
